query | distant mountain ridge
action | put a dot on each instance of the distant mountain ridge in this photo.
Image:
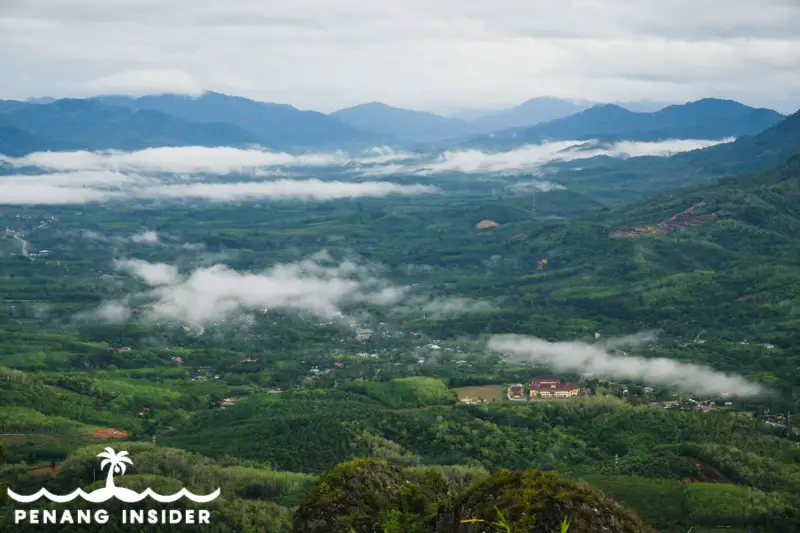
(214, 119)
(709, 118)
(528, 113)
(423, 126)
(92, 125)
(430, 127)
(402, 123)
(278, 126)
(16, 142)
(563, 108)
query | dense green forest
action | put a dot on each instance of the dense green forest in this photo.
(264, 402)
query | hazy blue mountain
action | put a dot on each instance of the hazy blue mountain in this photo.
(402, 123)
(92, 125)
(12, 105)
(279, 126)
(528, 113)
(709, 118)
(15, 142)
(567, 107)
(643, 106)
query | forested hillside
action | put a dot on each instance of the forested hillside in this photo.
(641, 177)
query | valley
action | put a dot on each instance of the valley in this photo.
(303, 329)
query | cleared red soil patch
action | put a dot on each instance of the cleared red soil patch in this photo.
(684, 219)
(110, 433)
(41, 471)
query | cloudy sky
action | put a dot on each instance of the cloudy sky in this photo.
(323, 54)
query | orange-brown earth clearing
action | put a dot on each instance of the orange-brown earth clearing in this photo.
(684, 219)
(110, 433)
(41, 471)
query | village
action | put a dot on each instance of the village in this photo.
(379, 352)
(550, 388)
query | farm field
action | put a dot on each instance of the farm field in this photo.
(491, 393)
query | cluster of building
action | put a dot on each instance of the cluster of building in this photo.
(362, 334)
(545, 388)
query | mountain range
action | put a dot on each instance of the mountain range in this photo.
(709, 118)
(277, 126)
(92, 125)
(214, 119)
(402, 123)
(429, 127)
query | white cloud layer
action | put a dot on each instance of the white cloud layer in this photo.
(310, 189)
(73, 189)
(146, 237)
(460, 53)
(175, 173)
(579, 357)
(317, 285)
(183, 159)
(113, 167)
(197, 160)
(151, 273)
(533, 156)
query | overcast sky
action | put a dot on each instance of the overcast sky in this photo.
(426, 54)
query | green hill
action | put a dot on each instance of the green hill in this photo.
(640, 177)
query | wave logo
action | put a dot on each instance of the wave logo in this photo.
(117, 464)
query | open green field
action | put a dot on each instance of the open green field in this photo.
(490, 393)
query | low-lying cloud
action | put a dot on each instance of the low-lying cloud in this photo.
(318, 285)
(146, 237)
(534, 156)
(597, 359)
(151, 273)
(310, 189)
(378, 161)
(217, 293)
(26, 190)
(195, 160)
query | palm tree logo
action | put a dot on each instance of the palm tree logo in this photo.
(117, 464)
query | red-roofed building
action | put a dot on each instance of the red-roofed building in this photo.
(516, 392)
(553, 388)
(535, 383)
